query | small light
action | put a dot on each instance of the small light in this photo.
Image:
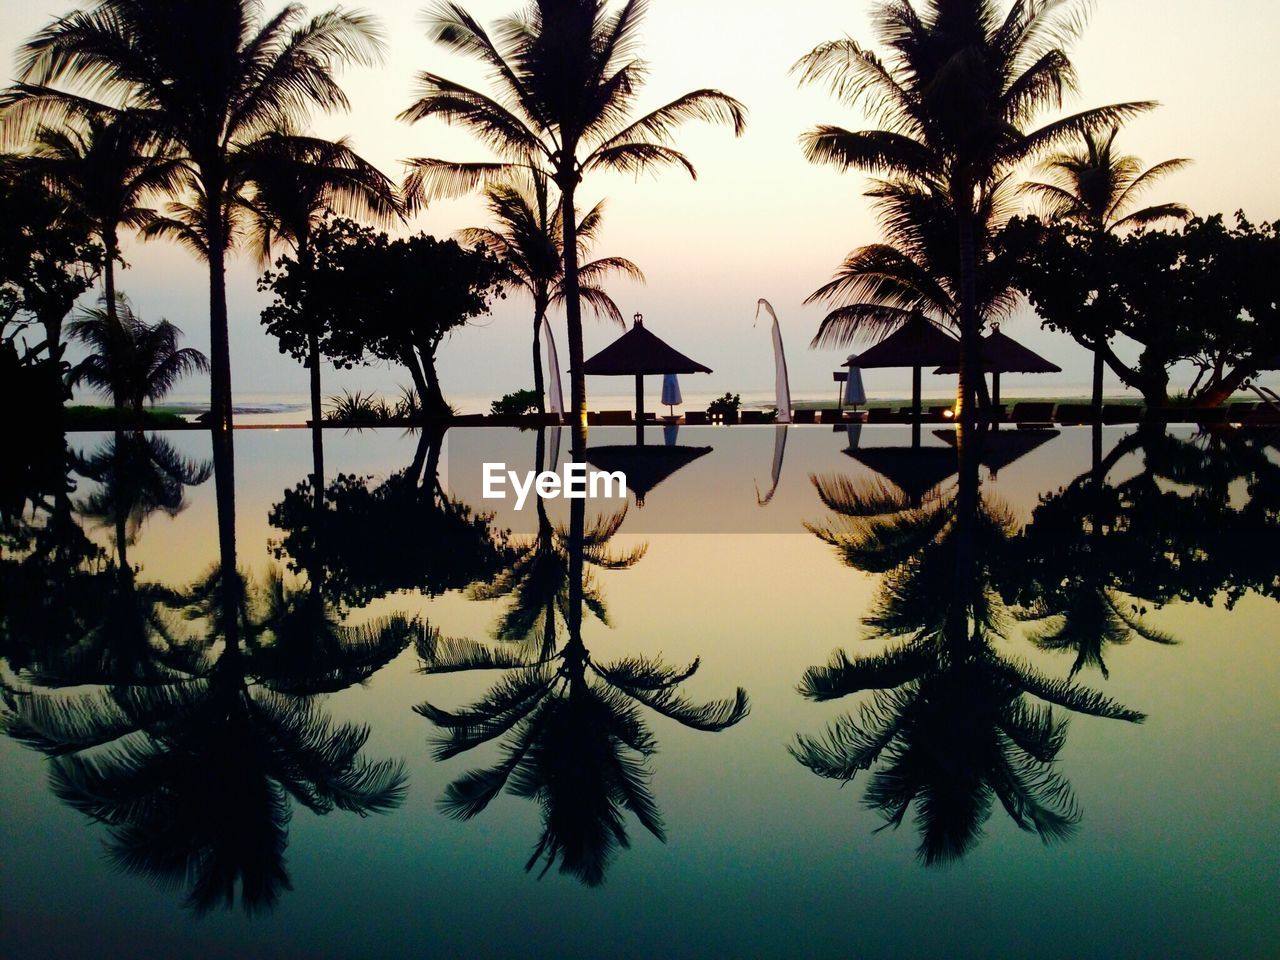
(948, 414)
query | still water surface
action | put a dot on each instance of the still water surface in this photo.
(1009, 695)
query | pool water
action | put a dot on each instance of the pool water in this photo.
(804, 692)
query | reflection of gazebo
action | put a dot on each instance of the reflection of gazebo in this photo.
(1002, 354)
(999, 448)
(913, 470)
(638, 353)
(645, 467)
(918, 343)
(916, 470)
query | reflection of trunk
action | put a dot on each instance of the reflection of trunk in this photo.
(572, 302)
(968, 438)
(968, 309)
(224, 482)
(577, 532)
(122, 534)
(539, 311)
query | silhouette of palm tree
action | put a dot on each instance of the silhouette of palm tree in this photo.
(208, 77)
(1097, 187)
(529, 240)
(295, 182)
(566, 78)
(132, 360)
(106, 167)
(955, 96)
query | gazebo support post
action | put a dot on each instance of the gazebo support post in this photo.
(995, 390)
(915, 406)
(640, 409)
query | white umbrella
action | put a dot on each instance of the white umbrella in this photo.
(671, 391)
(855, 395)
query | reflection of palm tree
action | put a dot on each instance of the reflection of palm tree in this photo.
(530, 241)
(573, 737)
(138, 474)
(952, 719)
(193, 766)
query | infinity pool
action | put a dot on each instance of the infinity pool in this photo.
(820, 693)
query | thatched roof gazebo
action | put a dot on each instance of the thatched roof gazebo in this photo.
(1002, 354)
(918, 343)
(639, 353)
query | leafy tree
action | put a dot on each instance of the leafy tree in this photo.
(1200, 294)
(1097, 188)
(956, 98)
(131, 360)
(296, 181)
(47, 260)
(566, 78)
(382, 300)
(209, 77)
(530, 242)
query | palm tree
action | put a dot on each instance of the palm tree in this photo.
(955, 98)
(131, 360)
(566, 78)
(296, 181)
(530, 241)
(1097, 187)
(207, 77)
(880, 286)
(105, 168)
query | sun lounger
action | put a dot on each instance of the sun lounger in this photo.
(696, 418)
(609, 418)
(1037, 413)
(804, 416)
(831, 416)
(753, 416)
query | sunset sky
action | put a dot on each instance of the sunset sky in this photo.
(760, 221)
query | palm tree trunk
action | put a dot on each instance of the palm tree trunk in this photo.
(539, 311)
(572, 304)
(219, 335)
(111, 244)
(969, 333)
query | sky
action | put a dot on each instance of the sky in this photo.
(759, 221)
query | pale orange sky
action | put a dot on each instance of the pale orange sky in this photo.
(760, 221)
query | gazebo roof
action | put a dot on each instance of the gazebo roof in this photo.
(645, 466)
(999, 448)
(1003, 354)
(638, 352)
(917, 343)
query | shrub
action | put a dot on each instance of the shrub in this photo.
(515, 404)
(729, 403)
